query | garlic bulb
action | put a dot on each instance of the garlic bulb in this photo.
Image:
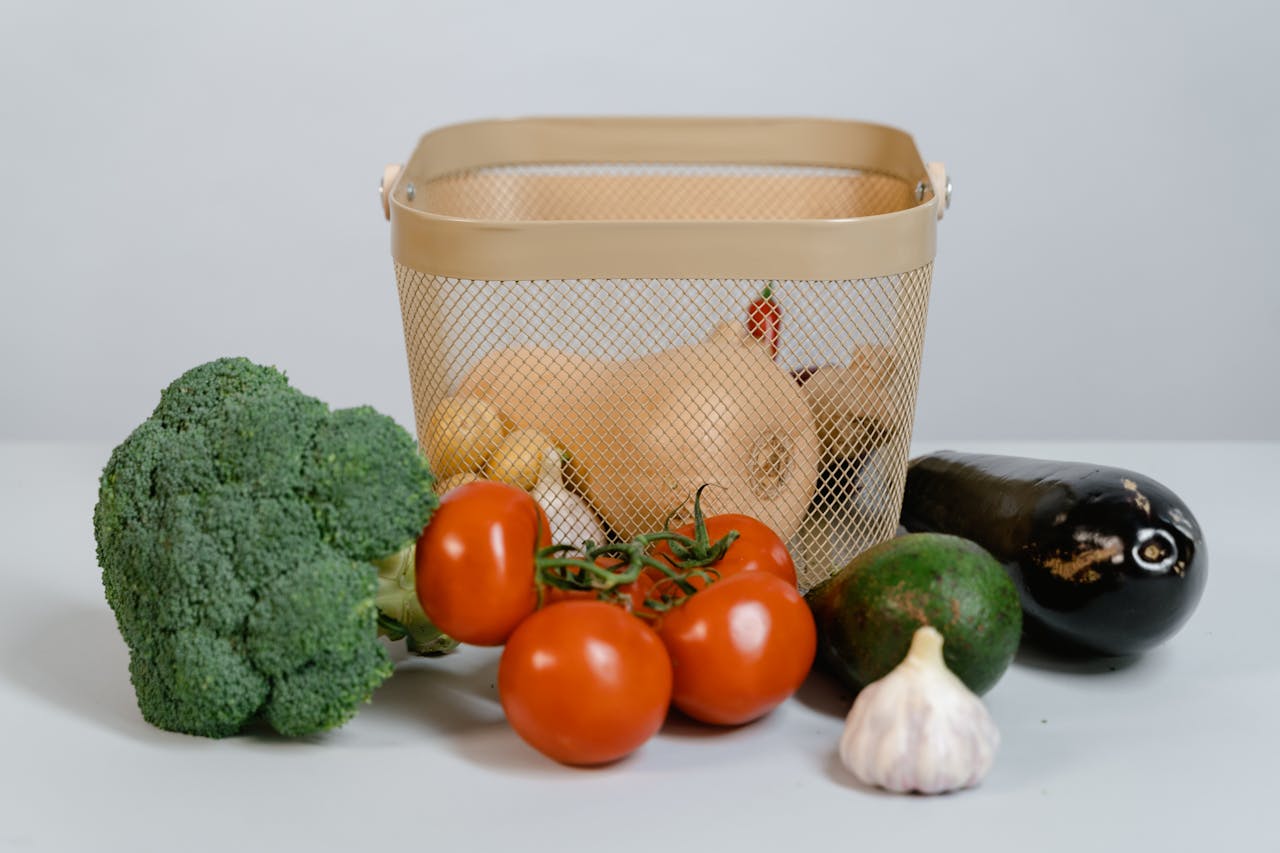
(572, 521)
(919, 728)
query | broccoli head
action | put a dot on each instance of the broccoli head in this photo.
(237, 530)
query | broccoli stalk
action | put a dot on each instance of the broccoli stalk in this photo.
(237, 531)
(400, 614)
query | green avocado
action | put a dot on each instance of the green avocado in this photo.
(868, 611)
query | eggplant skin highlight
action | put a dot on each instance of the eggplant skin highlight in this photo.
(1106, 561)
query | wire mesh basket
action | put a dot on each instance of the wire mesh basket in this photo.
(632, 308)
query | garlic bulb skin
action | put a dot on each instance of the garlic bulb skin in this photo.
(572, 521)
(919, 728)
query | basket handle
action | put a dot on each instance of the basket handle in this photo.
(390, 175)
(940, 181)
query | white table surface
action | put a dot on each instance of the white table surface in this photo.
(1176, 750)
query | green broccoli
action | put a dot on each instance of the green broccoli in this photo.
(237, 532)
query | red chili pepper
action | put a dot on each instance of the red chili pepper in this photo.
(764, 319)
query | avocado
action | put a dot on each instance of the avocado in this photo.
(868, 611)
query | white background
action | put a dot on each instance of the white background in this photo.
(183, 181)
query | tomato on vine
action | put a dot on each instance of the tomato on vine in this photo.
(756, 548)
(476, 561)
(728, 544)
(631, 596)
(584, 682)
(739, 647)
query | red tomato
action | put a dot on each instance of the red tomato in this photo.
(739, 648)
(544, 525)
(584, 682)
(756, 549)
(637, 592)
(475, 561)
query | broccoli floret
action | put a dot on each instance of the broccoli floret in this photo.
(237, 530)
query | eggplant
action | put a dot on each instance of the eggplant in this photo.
(1105, 560)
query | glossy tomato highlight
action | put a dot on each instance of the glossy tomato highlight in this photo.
(584, 682)
(475, 568)
(739, 648)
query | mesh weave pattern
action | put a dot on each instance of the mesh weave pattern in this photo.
(653, 387)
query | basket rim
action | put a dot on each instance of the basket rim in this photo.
(494, 249)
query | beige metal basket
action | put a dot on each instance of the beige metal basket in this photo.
(596, 287)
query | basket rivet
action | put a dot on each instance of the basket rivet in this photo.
(410, 192)
(921, 189)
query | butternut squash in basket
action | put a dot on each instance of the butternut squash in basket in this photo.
(644, 433)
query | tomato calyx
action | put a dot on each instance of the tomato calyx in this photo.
(611, 570)
(699, 550)
(608, 570)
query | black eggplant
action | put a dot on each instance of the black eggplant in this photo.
(1105, 560)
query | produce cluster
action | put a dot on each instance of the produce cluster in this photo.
(600, 640)
(254, 544)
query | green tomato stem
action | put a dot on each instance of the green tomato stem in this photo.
(690, 558)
